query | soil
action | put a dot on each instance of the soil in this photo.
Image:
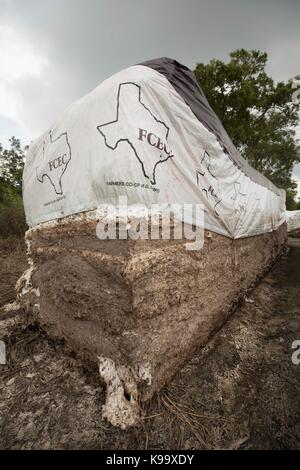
(242, 391)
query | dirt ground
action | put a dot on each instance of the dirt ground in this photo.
(240, 392)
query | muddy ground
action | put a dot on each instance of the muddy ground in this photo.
(241, 392)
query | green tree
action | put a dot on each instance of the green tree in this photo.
(11, 165)
(12, 219)
(257, 113)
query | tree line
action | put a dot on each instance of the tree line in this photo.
(12, 218)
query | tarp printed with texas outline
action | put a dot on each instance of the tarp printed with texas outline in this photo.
(148, 133)
(55, 160)
(143, 127)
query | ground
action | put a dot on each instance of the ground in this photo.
(240, 392)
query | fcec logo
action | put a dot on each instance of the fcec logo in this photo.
(139, 129)
(56, 157)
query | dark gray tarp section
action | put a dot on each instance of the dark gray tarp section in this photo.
(185, 83)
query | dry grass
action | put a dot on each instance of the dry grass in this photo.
(191, 420)
(183, 420)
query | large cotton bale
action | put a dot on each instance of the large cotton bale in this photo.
(139, 308)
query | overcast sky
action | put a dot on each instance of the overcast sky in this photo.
(54, 51)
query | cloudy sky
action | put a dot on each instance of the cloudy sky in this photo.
(54, 51)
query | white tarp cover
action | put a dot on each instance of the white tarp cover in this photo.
(293, 220)
(134, 135)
